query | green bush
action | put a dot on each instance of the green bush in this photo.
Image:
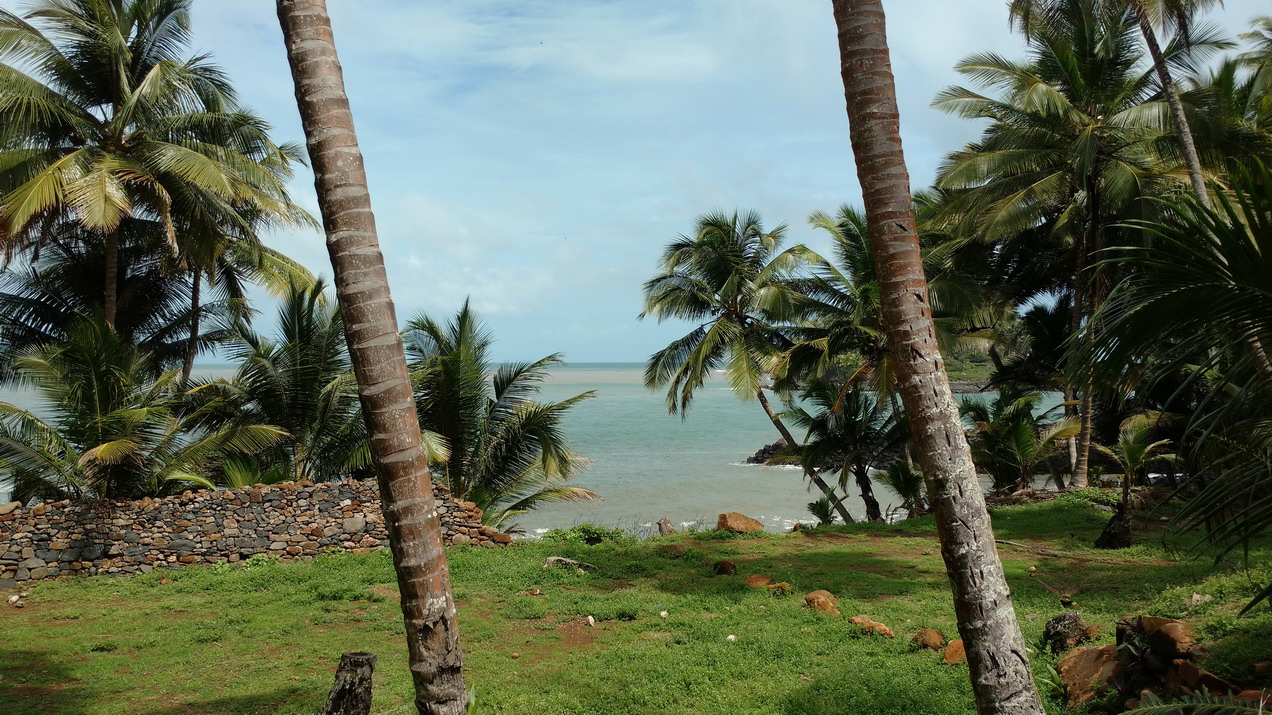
(1093, 495)
(588, 534)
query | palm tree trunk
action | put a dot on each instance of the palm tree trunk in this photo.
(110, 299)
(375, 347)
(810, 470)
(996, 655)
(873, 512)
(196, 311)
(1189, 147)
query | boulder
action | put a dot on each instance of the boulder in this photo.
(1087, 672)
(9, 507)
(502, 538)
(1257, 696)
(823, 601)
(354, 525)
(1065, 631)
(461, 539)
(872, 626)
(725, 568)
(955, 653)
(737, 523)
(756, 580)
(665, 527)
(929, 639)
(1263, 667)
(1197, 678)
(1167, 637)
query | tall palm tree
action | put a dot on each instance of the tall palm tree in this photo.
(1150, 16)
(997, 659)
(379, 362)
(506, 450)
(1071, 148)
(301, 381)
(729, 278)
(106, 120)
(114, 430)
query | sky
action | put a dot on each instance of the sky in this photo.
(536, 155)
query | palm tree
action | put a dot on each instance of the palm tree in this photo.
(1071, 149)
(730, 279)
(907, 483)
(113, 430)
(1011, 439)
(849, 429)
(997, 659)
(1150, 15)
(111, 123)
(1134, 451)
(507, 452)
(302, 381)
(379, 362)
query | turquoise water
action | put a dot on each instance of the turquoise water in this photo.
(648, 464)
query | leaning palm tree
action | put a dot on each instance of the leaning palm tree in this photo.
(301, 381)
(730, 279)
(996, 655)
(111, 430)
(379, 363)
(107, 120)
(506, 451)
(849, 433)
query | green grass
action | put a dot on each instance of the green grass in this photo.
(265, 637)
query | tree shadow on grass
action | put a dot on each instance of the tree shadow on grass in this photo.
(32, 683)
(265, 702)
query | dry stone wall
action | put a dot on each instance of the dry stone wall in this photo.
(291, 521)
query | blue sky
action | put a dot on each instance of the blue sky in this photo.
(537, 154)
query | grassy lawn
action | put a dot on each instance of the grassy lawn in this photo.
(265, 637)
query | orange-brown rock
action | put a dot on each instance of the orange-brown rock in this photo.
(823, 601)
(737, 523)
(725, 568)
(1197, 678)
(954, 652)
(1257, 696)
(756, 580)
(872, 626)
(1263, 667)
(1087, 672)
(1168, 637)
(781, 588)
(929, 639)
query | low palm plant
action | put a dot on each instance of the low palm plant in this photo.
(906, 481)
(300, 380)
(107, 428)
(1011, 440)
(507, 451)
(1134, 451)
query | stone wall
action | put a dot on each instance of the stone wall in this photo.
(292, 521)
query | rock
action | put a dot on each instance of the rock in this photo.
(1065, 631)
(872, 626)
(1263, 667)
(665, 527)
(664, 614)
(32, 563)
(725, 568)
(9, 507)
(756, 580)
(780, 589)
(929, 639)
(731, 638)
(1087, 672)
(14, 599)
(1167, 637)
(673, 550)
(501, 538)
(590, 621)
(461, 539)
(737, 523)
(1198, 678)
(823, 601)
(1257, 696)
(354, 525)
(954, 652)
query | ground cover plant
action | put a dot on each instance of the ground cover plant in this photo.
(265, 636)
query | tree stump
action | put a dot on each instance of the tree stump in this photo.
(351, 693)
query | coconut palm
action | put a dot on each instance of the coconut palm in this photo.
(301, 381)
(998, 663)
(730, 279)
(107, 428)
(379, 362)
(106, 120)
(507, 451)
(1011, 439)
(1151, 16)
(849, 430)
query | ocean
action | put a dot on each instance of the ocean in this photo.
(648, 464)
